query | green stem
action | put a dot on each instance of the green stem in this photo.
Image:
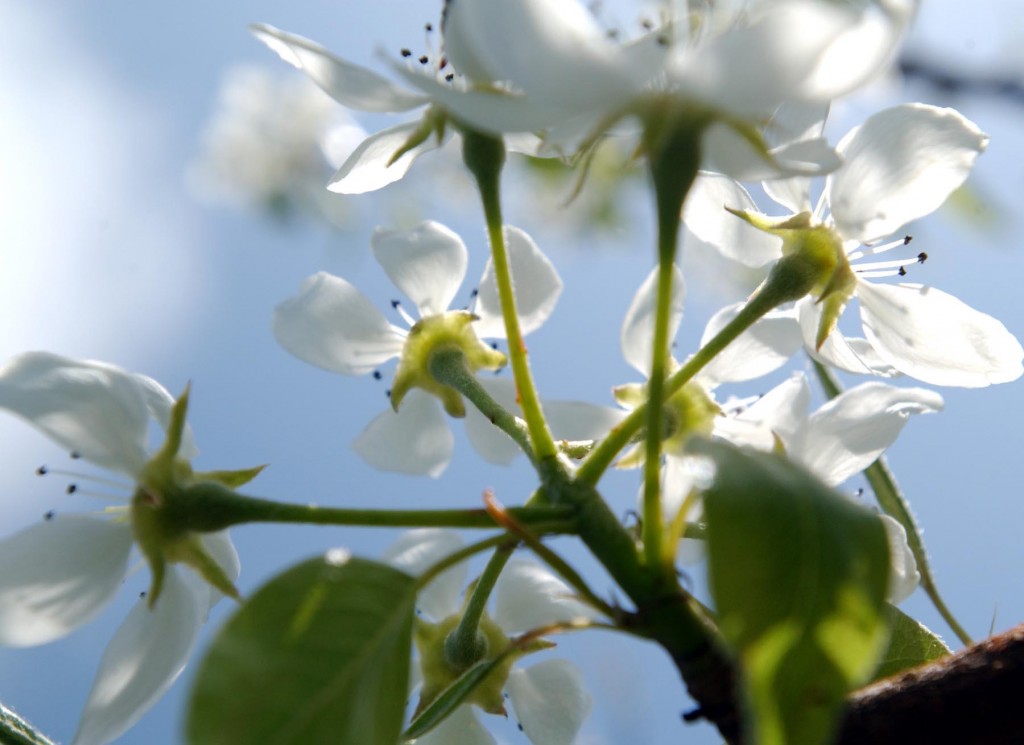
(449, 367)
(893, 503)
(674, 156)
(465, 644)
(484, 155)
(208, 507)
(462, 554)
(605, 452)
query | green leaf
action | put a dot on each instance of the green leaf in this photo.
(16, 731)
(452, 696)
(318, 654)
(798, 573)
(910, 644)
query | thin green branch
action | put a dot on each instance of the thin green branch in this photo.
(484, 156)
(465, 645)
(893, 503)
(431, 573)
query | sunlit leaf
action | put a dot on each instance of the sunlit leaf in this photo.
(318, 654)
(910, 644)
(798, 573)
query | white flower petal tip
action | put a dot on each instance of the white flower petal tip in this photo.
(93, 409)
(415, 441)
(427, 263)
(144, 658)
(903, 574)
(550, 701)
(536, 286)
(332, 325)
(371, 166)
(59, 575)
(528, 596)
(936, 338)
(351, 85)
(901, 164)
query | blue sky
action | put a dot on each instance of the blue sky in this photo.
(108, 255)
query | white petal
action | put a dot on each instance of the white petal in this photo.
(369, 167)
(901, 164)
(727, 151)
(460, 728)
(761, 349)
(58, 575)
(535, 282)
(349, 84)
(550, 701)
(492, 443)
(637, 335)
(753, 68)
(427, 263)
(849, 354)
(529, 596)
(144, 658)
(903, 574)
(332, 325)
(936, 338)
(783, 410)
(96, 410)
(416, 551)
(847, 434)
(523, 42)
(580, 420)
(415, 441)
(704, 214)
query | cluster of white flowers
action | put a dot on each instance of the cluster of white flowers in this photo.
(756, 78)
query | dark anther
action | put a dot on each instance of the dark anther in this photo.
(693, 715)
(406, 52)
(41, 471)
(72, 488)
(75, 455)
(859, 492)
(50, 514)
(475, 292)
(646, 24)
(424, 59)
(395, 303)
(388, 393)
(449, 77)
(142, 594)
(907, 239)
(494, 345)
(377, 375)
(663, 40)
(903, 271)
(520, 726)
(922, 257)
(429, 27)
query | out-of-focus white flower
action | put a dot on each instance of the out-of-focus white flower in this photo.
(332, 325)
(272, 142)
(548, 698)
(550, 58)
(60, 574)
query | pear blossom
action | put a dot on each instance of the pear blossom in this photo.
(60, 574)
(731, 67)
(900, 165)
(548, 698)
(332, 325)
(271, 142)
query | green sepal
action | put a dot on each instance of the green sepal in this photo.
(911, 644)
(445, 332)
(231, 479)
(434, 122)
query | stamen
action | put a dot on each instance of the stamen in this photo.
(377, 375)
(406, 52)
(880, 248)
(876, 265)
(79, 476)
(423, 59)
(397, 305)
